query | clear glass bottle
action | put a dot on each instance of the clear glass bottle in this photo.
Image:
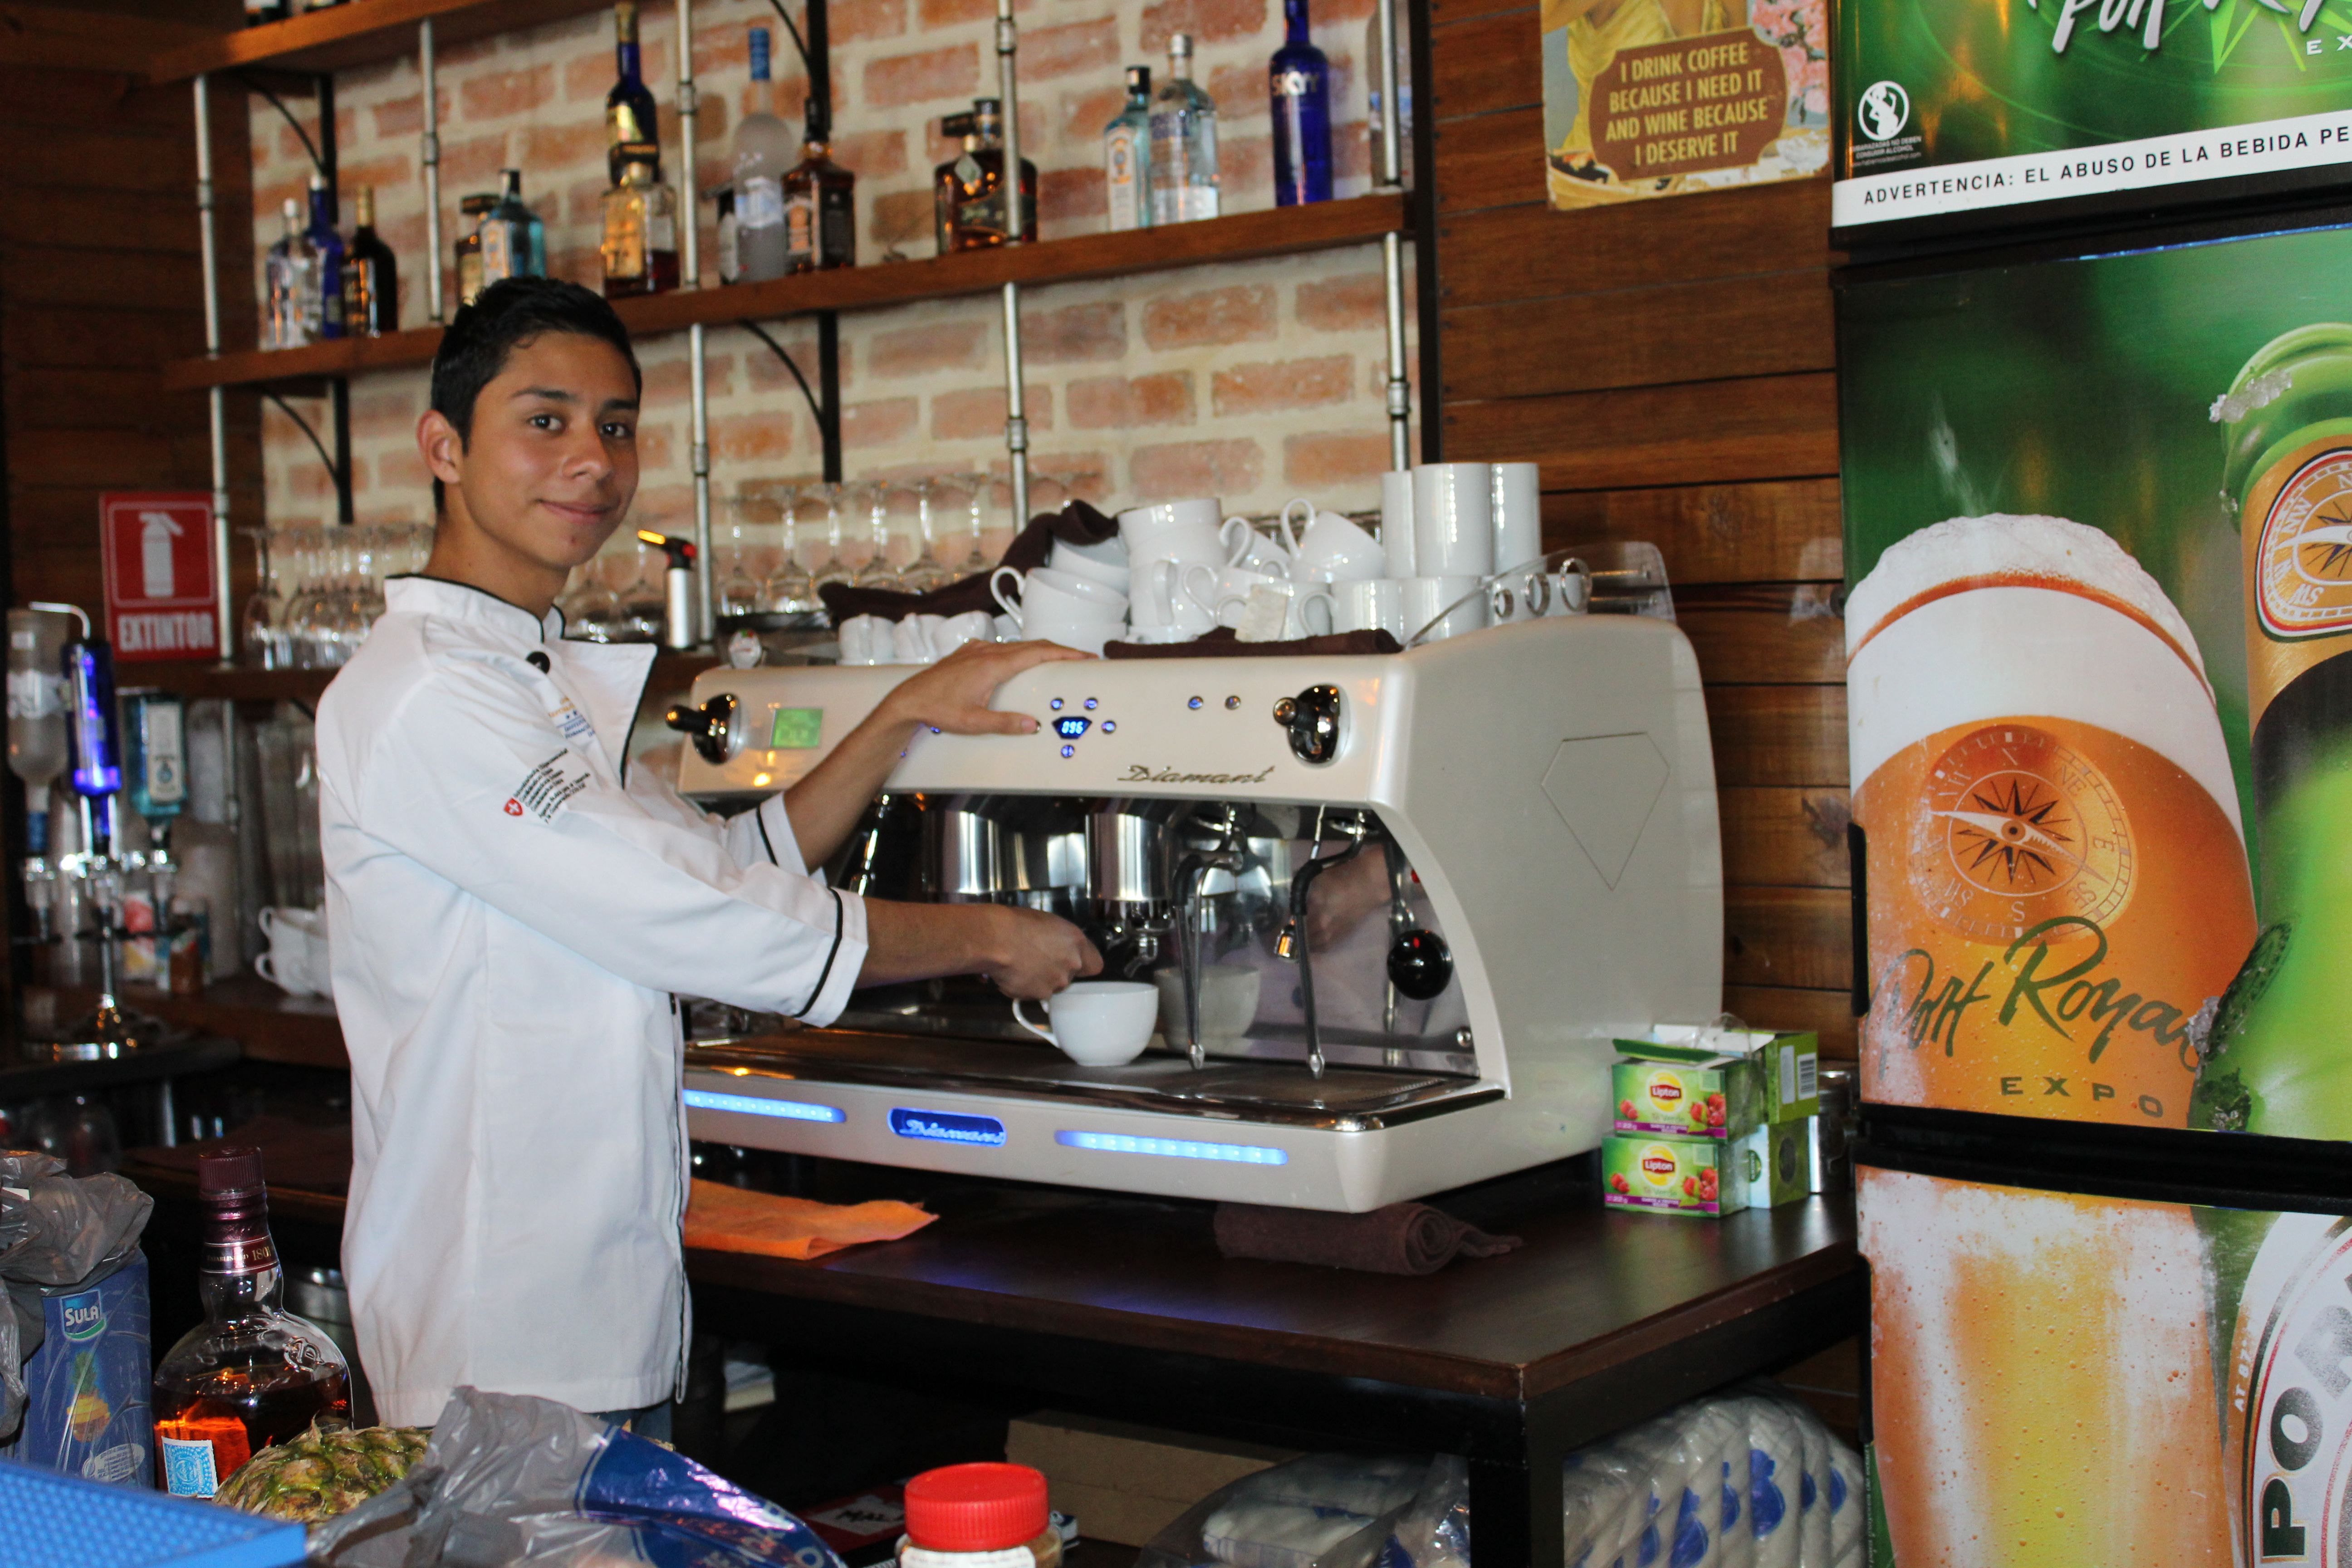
(287, 279)
(1183, 170)
(326, 275)
(640, 233)
(968, 198)
(820, 204)
(37, 745)
(1126, 155)
(763, 156)
(514, 242)
(631, 127)
(371, 276)
(1298, 79)
(251, 1373)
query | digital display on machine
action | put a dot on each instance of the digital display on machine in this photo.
(1177, 1148)
(1071, 729)
(795, 729)
(760, 1105)
(948, 1127)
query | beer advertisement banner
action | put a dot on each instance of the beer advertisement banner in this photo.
(1664, 98)
(1949, 108)
(2099, 532)
(2058, 1380)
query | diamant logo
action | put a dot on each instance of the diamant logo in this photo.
(1882, 111)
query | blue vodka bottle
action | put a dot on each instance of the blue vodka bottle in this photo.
(1300, 79)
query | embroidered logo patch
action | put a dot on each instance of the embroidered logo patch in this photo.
(571, 722)
(548, 787)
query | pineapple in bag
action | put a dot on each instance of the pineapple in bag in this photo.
(323, 1473)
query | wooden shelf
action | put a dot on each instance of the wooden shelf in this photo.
(1244, 236)
(356, 34)
(196, 681)
(270, 1025)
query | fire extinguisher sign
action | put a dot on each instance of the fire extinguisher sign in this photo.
(158, 548)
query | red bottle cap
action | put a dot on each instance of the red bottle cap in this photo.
(976, 1507)
(229, 1171)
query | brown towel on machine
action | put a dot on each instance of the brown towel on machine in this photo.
(1403, 1238)
(1077, 522)
(1224, 643)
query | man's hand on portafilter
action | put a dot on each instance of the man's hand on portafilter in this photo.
(1026, 953)
(1042, 954)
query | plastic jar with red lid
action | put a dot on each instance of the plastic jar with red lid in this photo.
(979, 1515)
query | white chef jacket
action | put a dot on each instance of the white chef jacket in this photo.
(510, 920)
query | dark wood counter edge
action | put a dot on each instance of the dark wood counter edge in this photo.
(355, 34)
(268, 1024)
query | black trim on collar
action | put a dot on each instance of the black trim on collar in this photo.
(826, 973)
(538, 621)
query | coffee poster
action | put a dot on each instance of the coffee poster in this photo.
(1952, 115)
(1662, 97)
(2099, 536)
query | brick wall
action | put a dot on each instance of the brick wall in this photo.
(1253, 382)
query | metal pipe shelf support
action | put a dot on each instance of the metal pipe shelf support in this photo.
(428, 160)
(216, 404)
(1016, 413)
(1390, 177)
(691, 269)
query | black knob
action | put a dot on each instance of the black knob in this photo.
(711, 727)
(1313, 720)
(1420, 964)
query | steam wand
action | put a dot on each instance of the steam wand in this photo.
(1293, 942)
(1191, 874)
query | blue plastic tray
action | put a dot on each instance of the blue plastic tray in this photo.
(50, 1520)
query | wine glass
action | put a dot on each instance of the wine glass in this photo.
(1047, 494)
(787, 589)
(951, 507)
(869, 503)
(587, 603)
(261, 631)
(909, 506)
(818, 508)
(643, 603)
(739, 581)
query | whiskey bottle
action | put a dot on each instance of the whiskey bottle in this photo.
(514, 242)
(251, 1373)
(820, 204)
(1184, 172)
(640, 233)
(1127, 154)
(632, 130)
(370, 278)
(286, 277)
(474, 208)
(968, 194)
(764, 155)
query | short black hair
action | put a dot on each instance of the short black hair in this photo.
(502, 317)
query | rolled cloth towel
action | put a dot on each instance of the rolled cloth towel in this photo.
(1077, 522)
(1222, 643)
(729, 1219)
(1403, 1238)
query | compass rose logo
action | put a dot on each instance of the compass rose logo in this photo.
(2304, 556)
(2019, 826)
(2014, 834)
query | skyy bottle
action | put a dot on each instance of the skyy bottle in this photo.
(1299, 80)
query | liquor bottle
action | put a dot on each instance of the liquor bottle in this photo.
(474, 208)
(640, 233)
(251, 1373)
(257, 12)
(287, 276)
(1126, 155)
(968, 196)
(324, 302)
(731, 262)
(1299, 80)
(631, 127)
(514, 242)
(764, 154)
(1183, 170)
(370, 278)
(820, 204)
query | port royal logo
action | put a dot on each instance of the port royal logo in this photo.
(2298, 1358)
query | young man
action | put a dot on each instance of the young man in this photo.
(515, 911)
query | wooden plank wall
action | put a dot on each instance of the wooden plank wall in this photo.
(1671, 365)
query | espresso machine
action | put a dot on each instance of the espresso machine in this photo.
(1397, 906)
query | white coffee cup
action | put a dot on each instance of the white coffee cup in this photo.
(1246, 547)
(1220, 590)
(1098, 1023)
(1372, 605)
(1275, 610)
(954, 631)
(1143, 521)
(1517, 506)
(1105, 562)
(910, 641)
(1396, 521)
(1454, 520)
(1160, 604)
(298, 959)
(1423, 599)
(1328, 547)
(1056, 597)
(1229, 994)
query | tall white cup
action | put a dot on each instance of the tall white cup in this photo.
(1424, 598)
(1372, 605)
(1517, 506)
(1396, 521)
(1452, 519)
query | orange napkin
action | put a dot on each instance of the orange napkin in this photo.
(728, 1220)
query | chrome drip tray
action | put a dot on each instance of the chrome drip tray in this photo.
(1347, 1099)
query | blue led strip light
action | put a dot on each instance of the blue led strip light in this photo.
(1176, 1148)
(755, 1105)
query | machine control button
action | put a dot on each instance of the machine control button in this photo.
(716, 727)
(1090, 703)
(1232, 703)
(1056, 705)
(1313, 720)
(1195, 702)
(1420, 964)
(1110, 726)
(1069, 750)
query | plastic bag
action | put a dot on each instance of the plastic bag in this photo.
(511, 1479)
(57, 1234)
(1327, 1511)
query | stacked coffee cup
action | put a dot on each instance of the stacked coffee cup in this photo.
(1464, 550)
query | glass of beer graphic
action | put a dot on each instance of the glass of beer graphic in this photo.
(2056, 873)
(2277, 1065)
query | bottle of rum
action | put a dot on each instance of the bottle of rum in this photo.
(514, 242)
(631, 127)
(474, 208)
(370, 278)
(251, 1373)
(1183, 170)
(1127, 154)
(640, 233)
(1300, 80)
(326, 275)
(820, 204)
(968, 193)
(763, 156)
(286, 278)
